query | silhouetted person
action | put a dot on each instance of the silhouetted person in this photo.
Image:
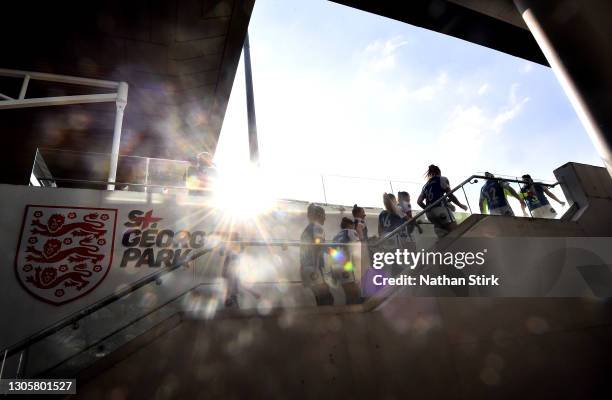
(440, 215)
(201, 174)
(344, 259)
(312, 260)
(535, 197)
(493, 196)
(359, 221)
(406, 207)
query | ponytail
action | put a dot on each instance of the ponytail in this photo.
(432, 170)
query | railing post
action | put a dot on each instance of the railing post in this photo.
(20, 364)
(521, 195)
(122, 93)
(147, 174)
(3, 361)
(324, 192)
(467, 200)
(24, 87)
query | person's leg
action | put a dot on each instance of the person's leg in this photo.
(506, 211)
(352, 293)
(549, 212)
(439, 220)
(539, 212)
(231, 279)
(323, 295)
(450, 227)
(443, 220)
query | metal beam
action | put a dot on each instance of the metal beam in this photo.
(24, 87)
(250, 97)
(58, 101)
(121, 101)
(41, 76)
(578, 50)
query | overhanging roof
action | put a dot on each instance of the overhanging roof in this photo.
(492, 23)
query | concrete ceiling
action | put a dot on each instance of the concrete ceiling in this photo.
(492, 23)
(178, 56)
(503, 10)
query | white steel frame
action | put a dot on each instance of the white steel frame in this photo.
(119, 98)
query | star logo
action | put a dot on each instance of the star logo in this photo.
(146, 220)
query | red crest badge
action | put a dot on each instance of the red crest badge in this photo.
(64, 252)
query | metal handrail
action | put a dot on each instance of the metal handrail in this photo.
(142, 317)
(71, 319)
(73, 80)
(84, 312)
(400, 228)
(145, 185)
(102, 155)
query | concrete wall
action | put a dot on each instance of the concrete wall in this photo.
(259, 267)
(590, 188)
(411, 348)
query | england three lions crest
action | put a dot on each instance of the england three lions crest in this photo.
(64, 252)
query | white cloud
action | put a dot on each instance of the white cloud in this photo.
(512, 95)
(508, 114)
(527, 67)
(469, 128)
(484, 88)
(442, 78)
(381, 54)
(427, 92)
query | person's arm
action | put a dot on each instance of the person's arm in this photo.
(418, 226)
(455, 200)
(318, 236)
(552, 196)
(517, 196)
(451, 197)
(514, 194)
(421, 201)
(481, 203)
(359, 230)
(380, 228)
(397, 210)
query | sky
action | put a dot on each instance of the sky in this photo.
(341, 92)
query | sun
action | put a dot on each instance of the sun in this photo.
(243, 192)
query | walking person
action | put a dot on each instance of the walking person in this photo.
(534, 195)
(312, 260)
(440, 214)
(200, 176)
(344, 260)
(391, 218)
(493, 197)
(359, 222)
(404, 204)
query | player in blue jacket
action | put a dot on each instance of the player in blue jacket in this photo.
(535, 197)
(440, 214)
(493, 197)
